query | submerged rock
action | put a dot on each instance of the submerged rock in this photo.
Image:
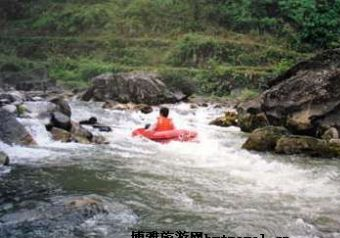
(265, 139)
(138, 87)
(229, 119)
(307, 145)
(12, 132)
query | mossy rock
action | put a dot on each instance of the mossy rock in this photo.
(265, 139)
(229, 119)
(307, 145)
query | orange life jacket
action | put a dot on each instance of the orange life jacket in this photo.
(164, 124)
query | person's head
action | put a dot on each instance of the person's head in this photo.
(164, 111)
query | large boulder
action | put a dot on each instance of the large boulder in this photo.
(265, 139)
(135, 87)
(307, 145)
(61, 121)
(62, 106)
(303, 99)
(12, 132)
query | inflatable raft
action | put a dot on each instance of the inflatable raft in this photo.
(166, 136)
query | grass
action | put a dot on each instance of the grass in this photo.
(77, 40)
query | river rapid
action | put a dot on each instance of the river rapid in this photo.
(212, 186)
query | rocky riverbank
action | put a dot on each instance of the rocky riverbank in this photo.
(298, 113)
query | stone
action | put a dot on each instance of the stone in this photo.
(229, 119)
(99, 140)
(102, 128)
(145, 109)
(62, 106)
(307, 145)
(136, 87)
(265, 139)
(61, 121)
(4, 159)
(250, 115)
(80, 134)
(331, 133)
(12, 132)
(60, 135)
(10, 108)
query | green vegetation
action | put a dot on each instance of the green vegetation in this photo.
(219, 46)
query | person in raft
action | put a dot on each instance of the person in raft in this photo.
(163, 122)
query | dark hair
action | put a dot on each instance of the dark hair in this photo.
(164, 111)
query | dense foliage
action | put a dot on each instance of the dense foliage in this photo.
(220, 44)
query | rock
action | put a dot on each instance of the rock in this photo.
(307, 145)
(137, 87)
(193, 106)
(250, 115)
(146, 109)
(10, 108)
(93, 122)
(229, 119)
(102, 128)
(4, 159)
(80, 134)
(99, 140)
(90, 121)
(61, 121)
(62, 106)
(11, 97)
(264, 139)
(60, 135)
(12, 132)
(331, 133)
(306, 97)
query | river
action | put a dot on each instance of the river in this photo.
(212, 186)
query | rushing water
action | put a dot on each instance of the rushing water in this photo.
(212, 186)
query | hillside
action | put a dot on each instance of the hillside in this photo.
(186, 41)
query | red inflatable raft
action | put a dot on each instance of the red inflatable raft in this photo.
(166, 136)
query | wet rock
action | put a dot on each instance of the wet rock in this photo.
(80, 134)
(306, 97)
(90, 121)
(61, 121)
(102, 128)
(11, 97)
(62, 106)
(4, 159)
(250, 115)
(12, 132)
(60, 135)
(146, 109)
(137, 87)
(265, 139)
(229, 119)
(193, 106)
(331, 133)
(99, 140)
(308, 146)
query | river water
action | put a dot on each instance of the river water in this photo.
(212, 186)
